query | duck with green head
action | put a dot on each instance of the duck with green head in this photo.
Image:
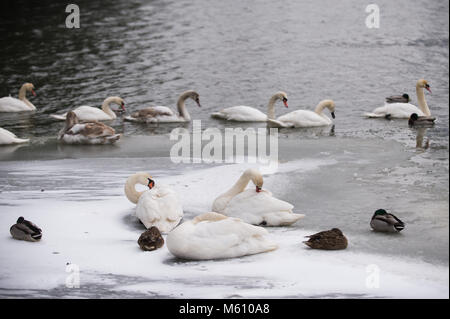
(382, 221)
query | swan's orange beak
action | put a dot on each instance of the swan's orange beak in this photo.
(32, 92)
(151, 183)
(428, 88)
(122, 106)
(285, 102)
(258, 189)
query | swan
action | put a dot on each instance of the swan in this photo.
(163, 114)
(404, 110)
(158, 206)
(89, 113)
(6, 138)
(257, 207)
(11, 104)
(250, 114)
(86, 132)
(214, 236)
(305, 118)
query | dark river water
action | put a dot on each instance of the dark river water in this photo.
(231, 52)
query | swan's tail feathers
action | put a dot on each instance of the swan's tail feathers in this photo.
(275, 123)
(58, 117)
(375, 115)
(218, 115)
(21, 140)
(113, 138)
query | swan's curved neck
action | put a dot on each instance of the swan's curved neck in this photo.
(130, 189)
(182, 107)
(239, 186)
(271, 107)
(107, 109)
(319, 108)
(23, 97)
(421, 100)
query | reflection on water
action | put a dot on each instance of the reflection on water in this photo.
(419, 139)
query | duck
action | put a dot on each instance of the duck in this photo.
(163, 114)
(93, 132)
(25, 230)
(151, 239)
(404, 110)
(255, 206)
(416, 120)
(332, 239)
(244, 113)
(8, 138)
(157, 206)
(11, 104)
(383, 221)
(306, 118)
(89, 113)
(404, 98)
(215, 236)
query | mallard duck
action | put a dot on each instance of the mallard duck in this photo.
(416, 120)
(151, 239)
(25, 230)
(404, 98)
(332, 239)
(382, 221)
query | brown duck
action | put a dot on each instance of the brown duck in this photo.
(151, 239)
(25, 230)
(332, 239)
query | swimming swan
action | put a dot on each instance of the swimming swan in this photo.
(158, 206)
(89, 113)
(404, 110)
(214, 236)
(304, 118)
(11, 104)
(86, 132)
(249, 114)
(254, 206)
(163, 114)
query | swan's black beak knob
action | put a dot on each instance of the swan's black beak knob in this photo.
(332, 115)
(151, 183)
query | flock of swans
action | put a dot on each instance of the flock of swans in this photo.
(83, 124)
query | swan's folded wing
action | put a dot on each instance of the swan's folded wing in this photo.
(251, 202)
(302, 118)
(7, 133)
(241, 113)
(153, 111)
(169, 203)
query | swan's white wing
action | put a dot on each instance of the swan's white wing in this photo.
(261, 208)
(159, 207)
(224, 238)
(89, 113)
(396, 110)
(10, 104)
(303, 118)
(241, 113)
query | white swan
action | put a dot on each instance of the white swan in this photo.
(89, 113)
(163, 114)
(6, 138)
(404, 110)
(158, 206)
(11, 104)
(249, 114)
(86, 132)
(304, 118)
(254, 206)
(213, 236)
